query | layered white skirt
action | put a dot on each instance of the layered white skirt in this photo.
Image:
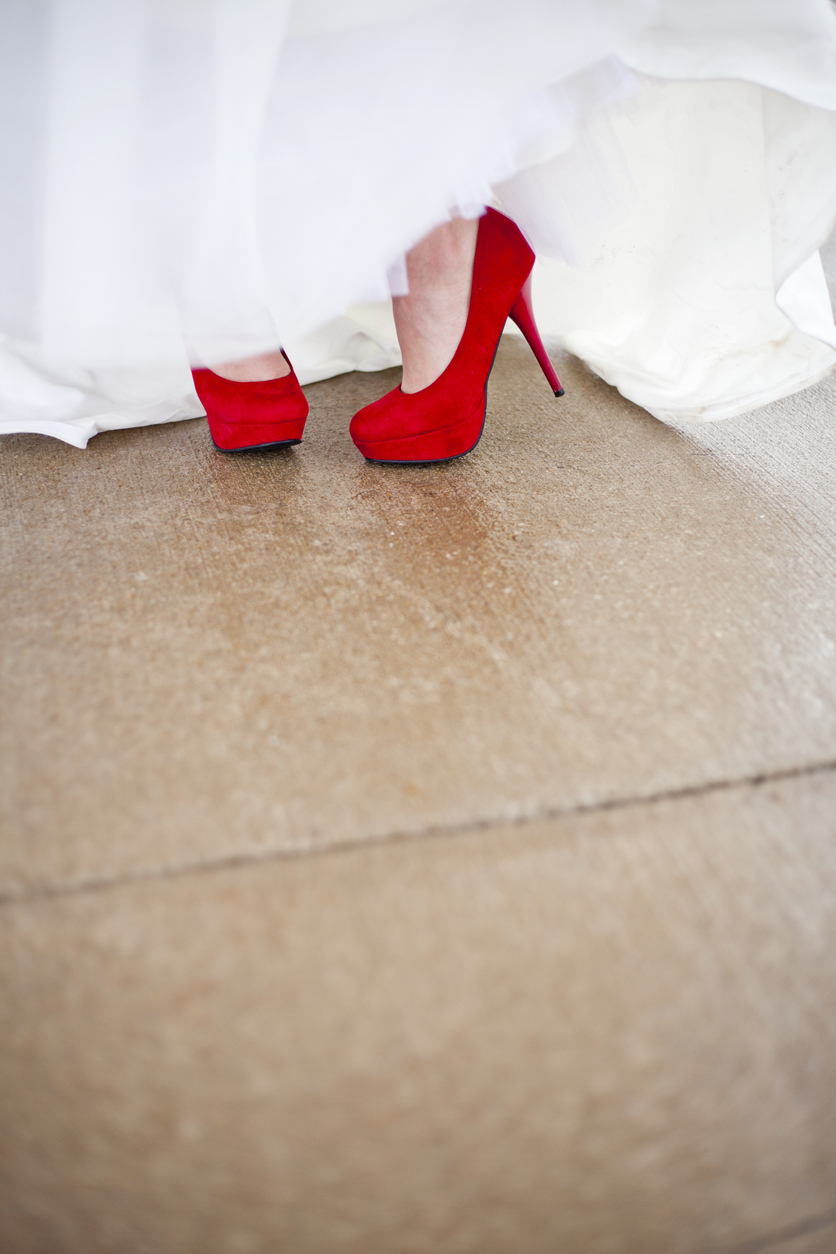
(203, 180)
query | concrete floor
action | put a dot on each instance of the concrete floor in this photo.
(438, 861)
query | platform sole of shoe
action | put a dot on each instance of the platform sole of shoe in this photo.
(272, 445)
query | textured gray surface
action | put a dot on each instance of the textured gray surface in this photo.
(610, 1032)
(209, 657)
(587, 1005)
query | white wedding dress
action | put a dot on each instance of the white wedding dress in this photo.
(203, 180)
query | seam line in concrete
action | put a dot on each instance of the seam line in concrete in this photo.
(762, 1245)
(255, 857)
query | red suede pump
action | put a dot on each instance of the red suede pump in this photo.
(247, 416)
(445, 420)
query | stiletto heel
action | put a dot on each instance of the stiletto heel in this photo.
(250, 416)
(522, 313)
(445, 420)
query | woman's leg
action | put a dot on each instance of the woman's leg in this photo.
(255, 369)
(430, 321)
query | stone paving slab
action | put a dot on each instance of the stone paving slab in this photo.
(209, 657)
(604, 1034)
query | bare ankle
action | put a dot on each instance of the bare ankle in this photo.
(430, 321)
(254, 369)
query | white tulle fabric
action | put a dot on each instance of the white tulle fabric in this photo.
(201, 180)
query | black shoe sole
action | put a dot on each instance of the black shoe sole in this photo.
(258, 448)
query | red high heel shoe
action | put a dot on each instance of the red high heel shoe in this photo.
(247, 416)
(445, 420)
